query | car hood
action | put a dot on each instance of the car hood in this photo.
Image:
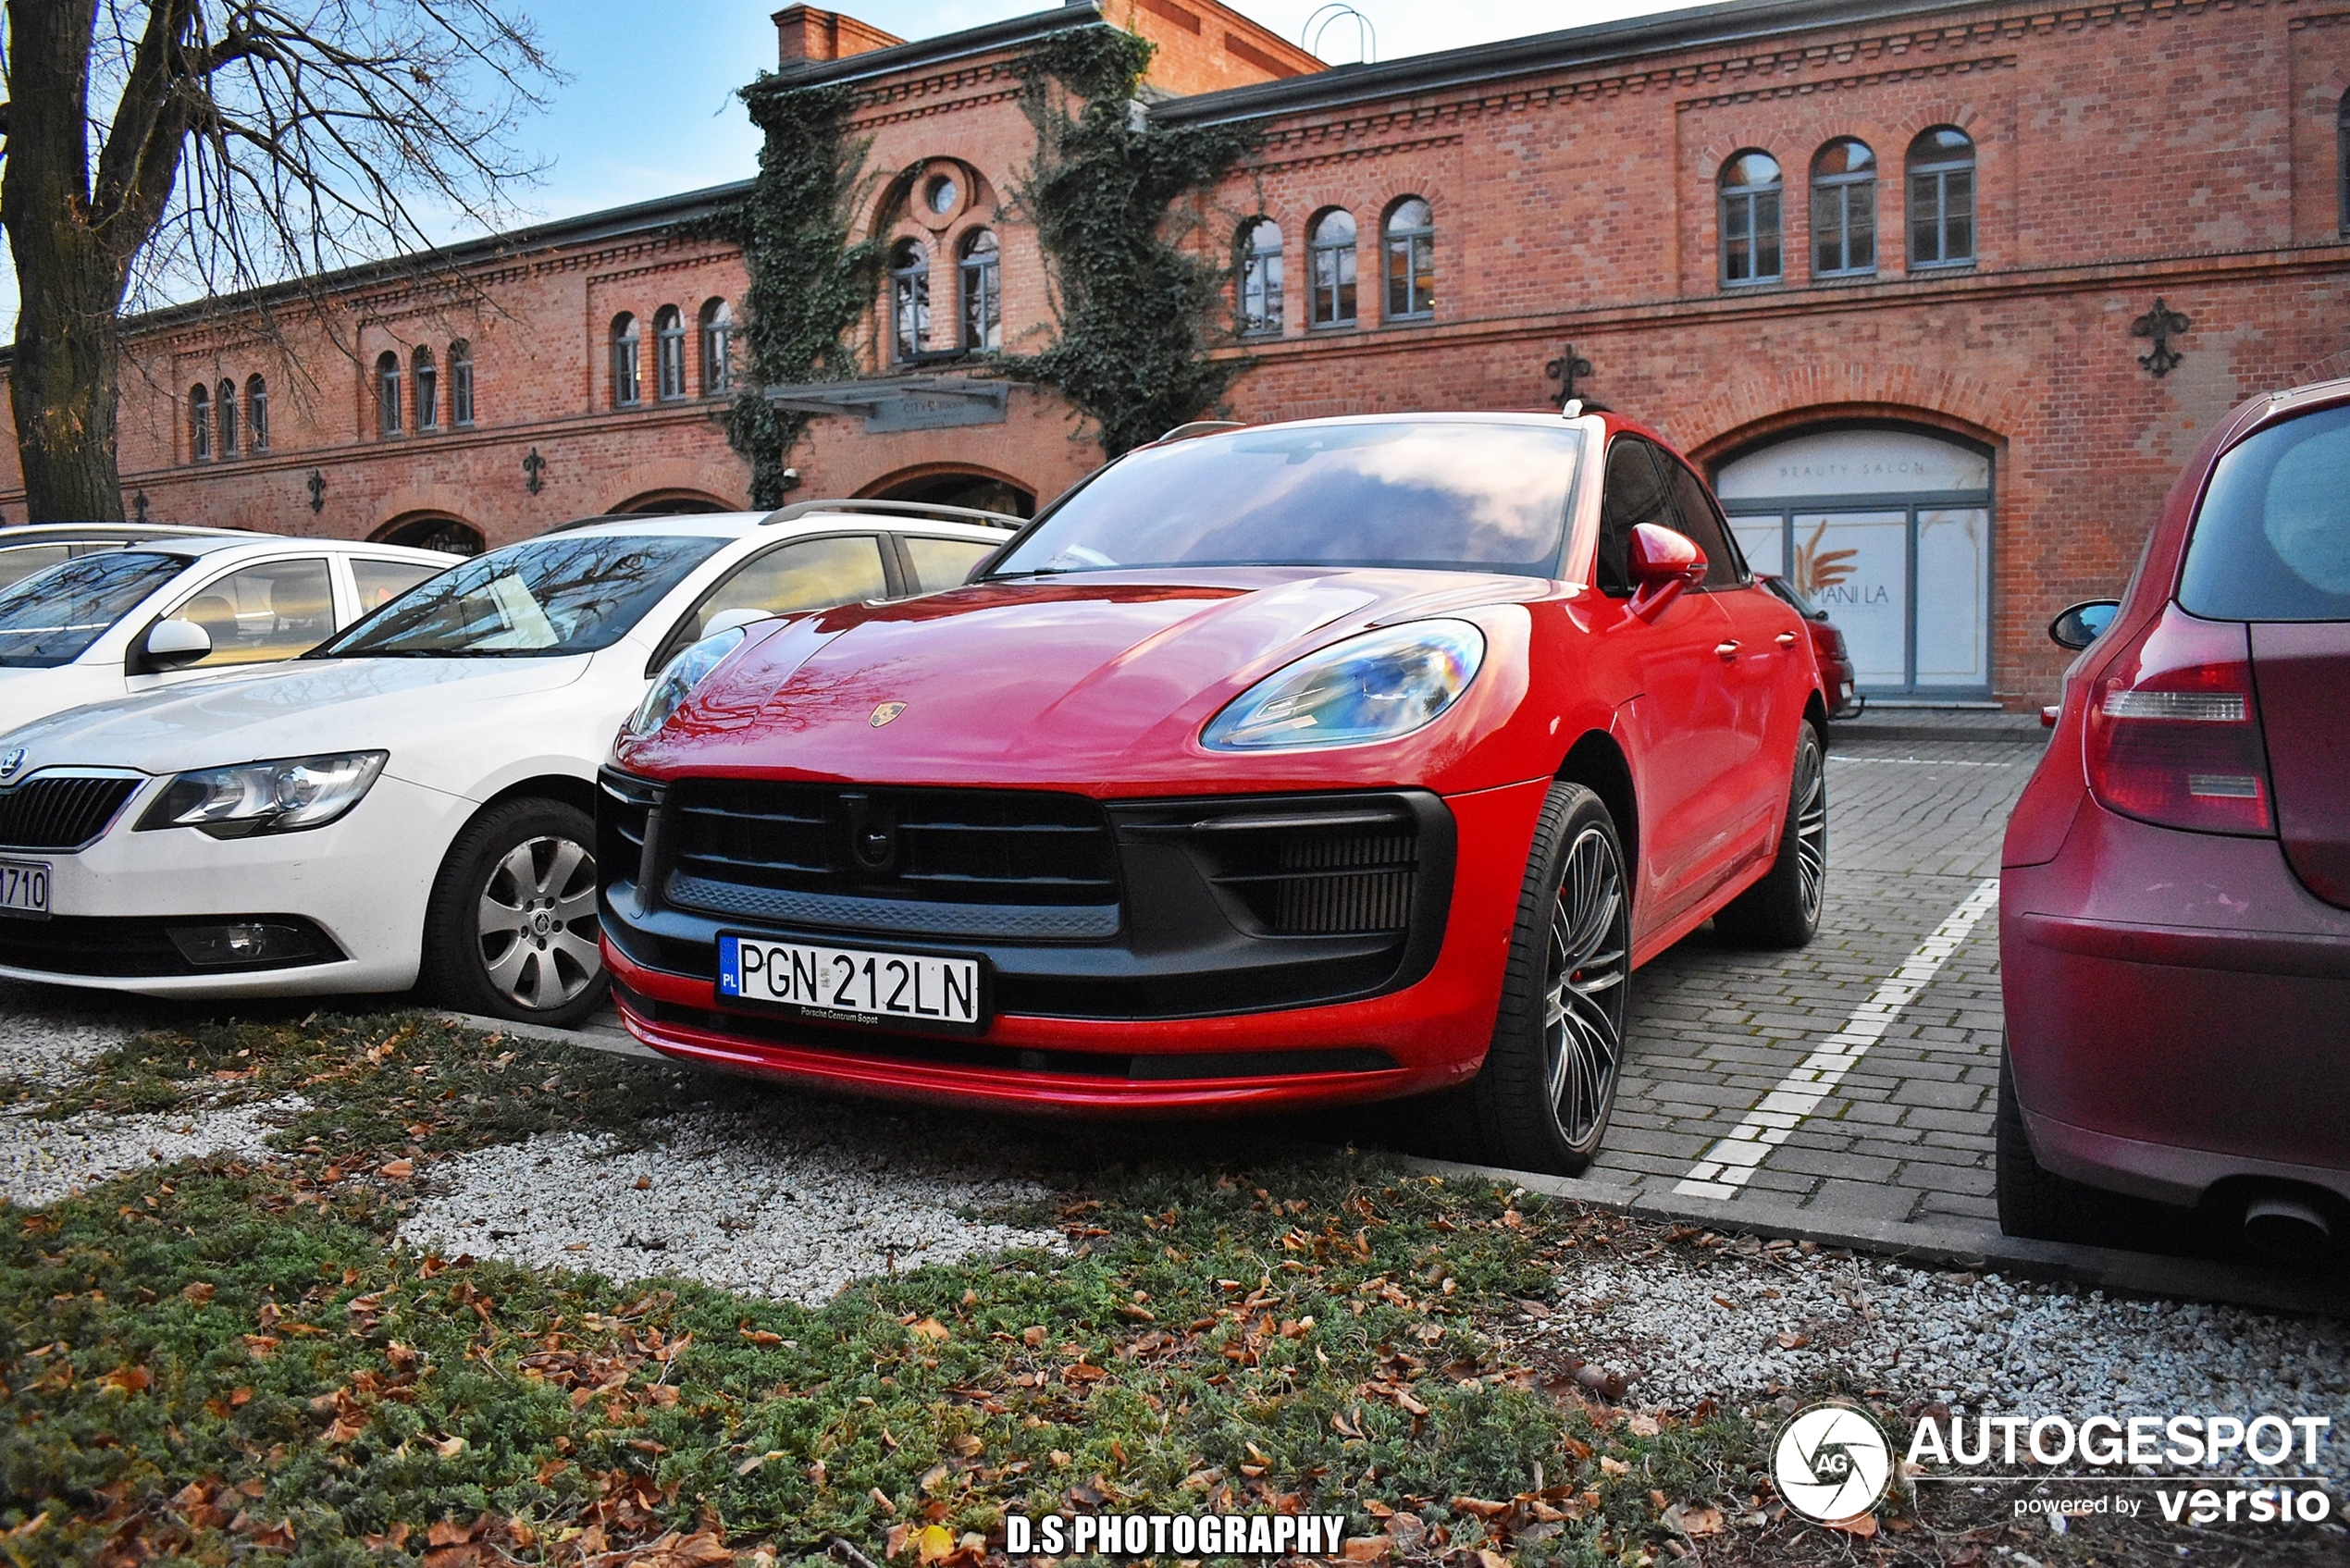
(1075, 680)
(299, 709)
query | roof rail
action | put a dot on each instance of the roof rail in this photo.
(899, 508)
(1200, 427)
(601, 517)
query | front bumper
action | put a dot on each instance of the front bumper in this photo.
(358, 887)
(2175, 1007)
(1136, 1030)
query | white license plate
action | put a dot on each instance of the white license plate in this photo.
(853, 985)
(24, 889)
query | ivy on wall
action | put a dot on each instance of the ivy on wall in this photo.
(1133, 306)
(810, 282)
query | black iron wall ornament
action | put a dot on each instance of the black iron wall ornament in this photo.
(316, 484)
(534, 469)
(1565, 370)
(138, 505)
(2161, 323)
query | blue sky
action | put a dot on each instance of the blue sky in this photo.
(648, 108)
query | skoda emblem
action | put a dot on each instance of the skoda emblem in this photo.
(15, 758)
(882, 714)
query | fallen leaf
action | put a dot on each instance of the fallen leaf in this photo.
(1613, 1465)
(198, 1293)
(932, 1329)
(644, 1184)
(1367, 1548)
(397, 1170)
(1861, 1525)
(761, 1336)
(933, 1543)
(1790, 1340)
(450, 1448)
(1642, 1424)
(1486, 1559)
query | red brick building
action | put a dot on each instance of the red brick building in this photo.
(1943, 294)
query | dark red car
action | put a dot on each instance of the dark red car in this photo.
(1331, 761)
(2174, 922)
(1828, 646)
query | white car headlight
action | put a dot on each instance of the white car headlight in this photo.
(284, 796)
(1372, 687)
(679, 677)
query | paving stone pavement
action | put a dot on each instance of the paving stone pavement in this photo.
(1913, 829)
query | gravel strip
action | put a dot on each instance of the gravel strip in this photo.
(47, 1036)
(1984, 1343)
(794, 1201)
(44, 1161)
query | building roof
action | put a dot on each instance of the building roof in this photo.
(984, 39)
(1737, 23)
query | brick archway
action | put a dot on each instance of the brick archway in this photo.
(1758, 405)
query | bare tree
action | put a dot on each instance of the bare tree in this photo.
(167, 148)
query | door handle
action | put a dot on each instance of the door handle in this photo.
(1726, 650)
(1786, 640)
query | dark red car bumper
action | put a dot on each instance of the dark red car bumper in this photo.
(1423, 1036)
(2178, 1012)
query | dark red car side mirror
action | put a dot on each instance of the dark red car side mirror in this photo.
(1661, 564)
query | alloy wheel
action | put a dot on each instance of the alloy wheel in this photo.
(1584, 986)
(537, 923)
(1811, 830)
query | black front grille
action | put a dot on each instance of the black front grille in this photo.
(61, 810)
(733, 844)
(1349, 872)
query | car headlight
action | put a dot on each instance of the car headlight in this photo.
(1372, 687)
(285, 795)
(679, 677)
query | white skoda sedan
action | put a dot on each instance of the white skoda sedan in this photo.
(152, 611)
(414, 799)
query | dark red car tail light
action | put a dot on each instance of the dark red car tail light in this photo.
(2173, 733)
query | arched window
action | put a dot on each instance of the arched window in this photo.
(982, 278)
(1751, 191)
(1331, 253)
(224, 409)
(199, 423)
(909, 298)
(461, 384)
(717, 348)
(1260, 270)
(1941, 198)
(387, 393)
(1410, 261)
(427, 378)
(257, 412)
(1844, 210)
(2342, 158)
(669, 352)
(624, 361)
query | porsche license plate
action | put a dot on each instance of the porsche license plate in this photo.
(853, 985)
(24, 889)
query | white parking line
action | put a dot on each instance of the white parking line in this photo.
(1918, 762)
(1732, 1161)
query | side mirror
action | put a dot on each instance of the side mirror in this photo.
(175, 644)
(1662, 563)
(2084, 623)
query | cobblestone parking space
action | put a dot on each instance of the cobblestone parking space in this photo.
(1734, 1044)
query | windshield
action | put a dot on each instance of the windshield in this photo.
(1456, 495)
(51, 617)
(539, 598)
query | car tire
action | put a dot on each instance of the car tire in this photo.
(2033, 1200)
(512, 930)
(1783, 909)
(1542, 1099)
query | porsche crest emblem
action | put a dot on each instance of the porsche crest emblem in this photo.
(884, 712)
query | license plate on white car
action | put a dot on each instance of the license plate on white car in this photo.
(24, 889)
(854, 985)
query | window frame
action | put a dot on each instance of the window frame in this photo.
(1258, 274)
(716, 319)
(893, 580)
(388, 413)
(326, 565)
(1338, 260)
(910, 314)
(224, 415)
(1937, 168)
(1747, 197)
(980, 282)
(1415, 244)
(669, 354)
(461, 385)
(424, 375)
(627, 387)
(200, 423)
(256, 414)
(1838, 194)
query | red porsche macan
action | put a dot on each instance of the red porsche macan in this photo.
(1337, 760)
